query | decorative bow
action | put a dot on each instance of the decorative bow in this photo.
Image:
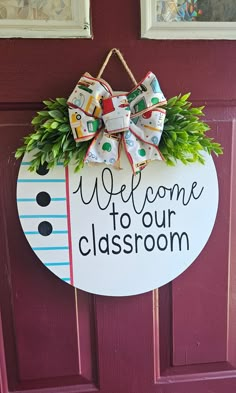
(134, 119)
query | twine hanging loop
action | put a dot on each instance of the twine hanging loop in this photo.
(121, 58)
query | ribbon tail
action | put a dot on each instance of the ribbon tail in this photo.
(139, 153)
(149, 127)
(104, 148)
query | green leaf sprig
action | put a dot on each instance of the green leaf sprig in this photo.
(183, 137)
(52, 138)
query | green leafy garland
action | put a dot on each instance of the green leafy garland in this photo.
(183, 137)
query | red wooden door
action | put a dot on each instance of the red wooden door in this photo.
(180, 339)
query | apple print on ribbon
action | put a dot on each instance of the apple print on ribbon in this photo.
(142, 152)
(106, 146)
(155, 101)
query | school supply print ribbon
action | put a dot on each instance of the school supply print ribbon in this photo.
(135, 120)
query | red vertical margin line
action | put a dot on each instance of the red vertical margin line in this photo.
(69, 224)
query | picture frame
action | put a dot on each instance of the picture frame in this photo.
(78, 25)
(153, 29)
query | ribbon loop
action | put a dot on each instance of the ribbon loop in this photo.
(83, 126)
(146, 95)
(134, 119)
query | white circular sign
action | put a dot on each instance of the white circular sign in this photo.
(108, 232)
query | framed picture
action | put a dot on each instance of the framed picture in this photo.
(188, 19)
(45, 18)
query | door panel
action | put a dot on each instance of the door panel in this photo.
(50, 334)
(199, 352)
(200, 324)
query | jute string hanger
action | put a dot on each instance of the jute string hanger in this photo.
(116, 52)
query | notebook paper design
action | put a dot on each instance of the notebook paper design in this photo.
(109, 232)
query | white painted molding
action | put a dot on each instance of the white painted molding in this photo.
(78, 27)
(152, 29)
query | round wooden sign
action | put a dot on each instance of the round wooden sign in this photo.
(109, 232)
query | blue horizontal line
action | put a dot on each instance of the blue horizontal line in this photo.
(37, 233)
(57, 264)
(26, 199)
(65, 279)
(43, 216)
(34, 199)
(50, 248)
(41, 180)
(59, 232)
(29, 163)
